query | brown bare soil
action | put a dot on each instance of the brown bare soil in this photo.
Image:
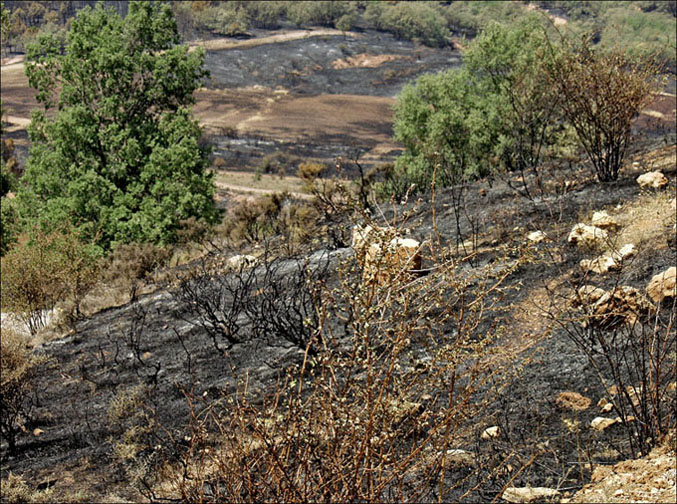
(364, 60)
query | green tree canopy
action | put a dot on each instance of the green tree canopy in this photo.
(120, 158)
(494, 112)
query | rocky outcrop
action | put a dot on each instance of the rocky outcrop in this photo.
(649, 479)
(609, 309)
(601, 423)
(663, 285)
(361, 238)
(600, 265)
(654, 180)
(240, 262)
(573, 401)
(536, 236)
(460, 458)
(588, 236)
(491, 433)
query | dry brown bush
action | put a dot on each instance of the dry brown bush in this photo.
(49, 268)
(600, 92)
(254, 222)
(18, 371)
(394, 377)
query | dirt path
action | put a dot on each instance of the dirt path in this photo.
(254, 190)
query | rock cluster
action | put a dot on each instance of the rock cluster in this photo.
(241, 262)
(385, 259)
(529, 494)
(609, 309)
(611, 262)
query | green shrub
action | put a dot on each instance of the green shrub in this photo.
(410, 20)
(224, 20)
(324, 13)
(9, 223)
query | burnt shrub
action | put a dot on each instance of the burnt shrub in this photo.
(216, 302)
(283, 304)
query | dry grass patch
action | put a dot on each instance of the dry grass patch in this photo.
(263, 182)
(645, 220)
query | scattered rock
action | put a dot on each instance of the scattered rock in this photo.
(37, 431)
(627, 251)
(491, 432)
(603, 220)
(605, 263)
(601, 423)
(654, 179)
(536, 236)
(647, 479)
(360, 239)
(240, 262)
(590, 236)
(460, 457)
(587, 295)
(604, 405)
(529, 494)
(573, 401)
(663, 285)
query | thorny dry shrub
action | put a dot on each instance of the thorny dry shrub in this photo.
(253, 222)
(392, 384)
(127, 269)
(632, 352)
(18, 371)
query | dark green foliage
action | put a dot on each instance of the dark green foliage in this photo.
(9, 221)
(122, 158)
(323, 13)
(494, 113)
(410, 20)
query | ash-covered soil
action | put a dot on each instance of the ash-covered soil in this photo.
(156, 343)
(352, 65)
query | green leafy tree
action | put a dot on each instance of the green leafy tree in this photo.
(5, 25)
(121, 157)
(508, 65)
(494, 113)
